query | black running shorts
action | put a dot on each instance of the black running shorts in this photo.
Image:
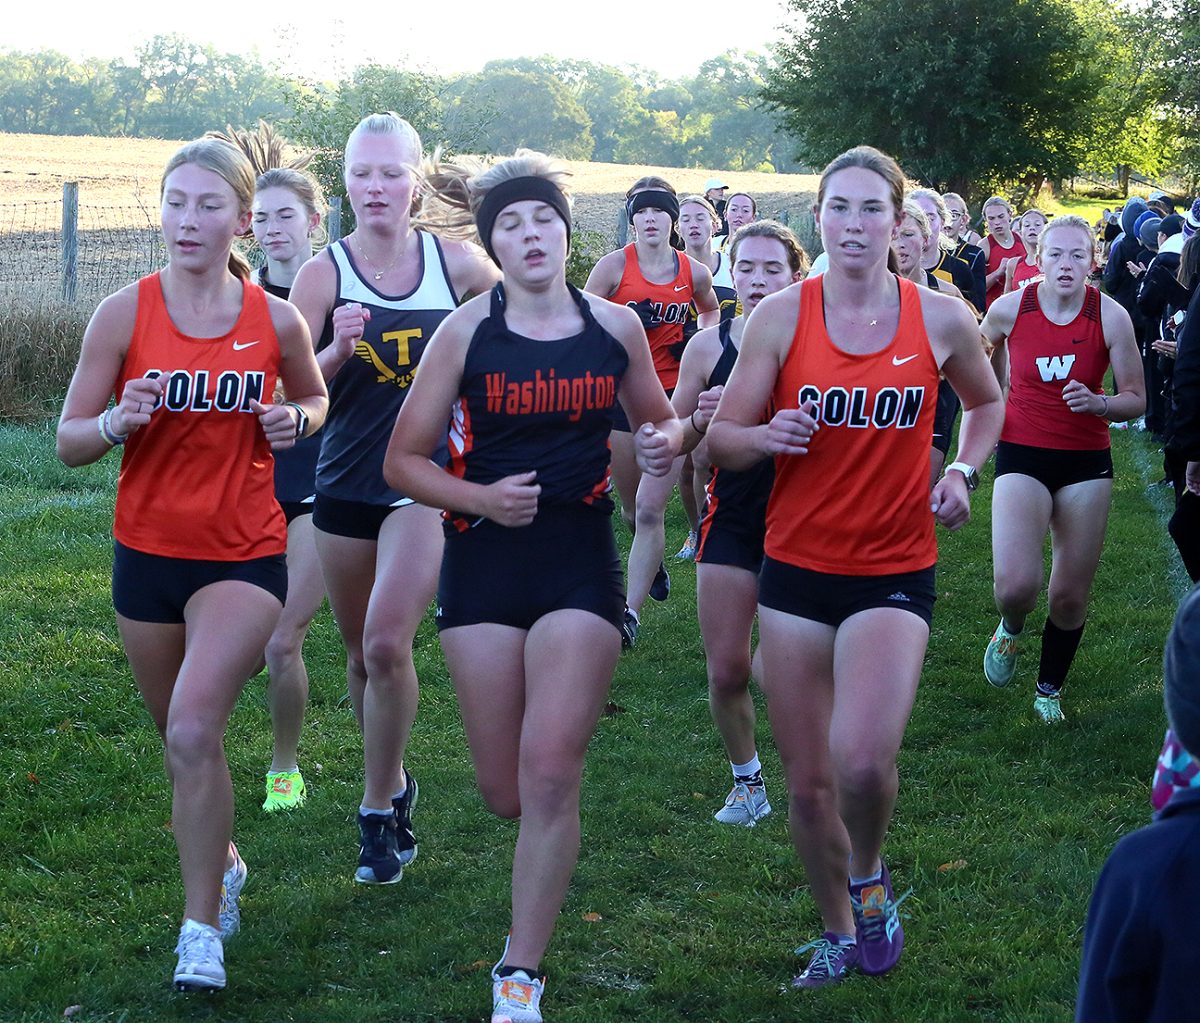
(152, 588)
(831, 599)
(566, 558)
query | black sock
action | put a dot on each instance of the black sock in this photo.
(508, 971)
(1058, 651)
(749, 779)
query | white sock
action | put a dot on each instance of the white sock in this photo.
(400, 794)
(378, 813)
(747, 770)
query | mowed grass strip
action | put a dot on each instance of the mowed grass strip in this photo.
(1001, 827)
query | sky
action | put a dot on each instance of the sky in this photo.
(394, 33)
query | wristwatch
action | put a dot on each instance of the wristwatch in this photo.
(970, 473)
(301, 419)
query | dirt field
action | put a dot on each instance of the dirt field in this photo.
(123, 172)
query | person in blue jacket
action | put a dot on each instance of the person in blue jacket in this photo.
(1140, 949)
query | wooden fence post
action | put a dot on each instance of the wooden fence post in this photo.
(70, 240)
(333, 221)
(622, 229)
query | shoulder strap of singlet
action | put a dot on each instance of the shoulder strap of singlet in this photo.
(498, 301)
(932, 281)
(1029, 302)
(1091, 304)
(723, 334)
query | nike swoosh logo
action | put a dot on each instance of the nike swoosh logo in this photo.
(239, 345)
(901, 362)
(681, 287)
(1078, 340)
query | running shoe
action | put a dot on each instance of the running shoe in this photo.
(1000, 658)
(1049, 708)
(745, 805)
(660, 589)
(201, 964)
(830, 961)
(877, 924)
(515, 998)
(379, 852)
(629, 629)
(688, 551)
(285, 791)
(406, 841)
(232, 884)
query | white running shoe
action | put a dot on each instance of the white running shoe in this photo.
(688, 551)
(231, 887)
(515, 999)
(201, 963)
(745, 805)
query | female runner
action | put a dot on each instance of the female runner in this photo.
(286, 212)
(766, 258)
(938, 257)
(966, 246)
(532, 653)
(191, 354)
(958, 221)
(1027, 269)
(740, 210)
(1054, 341)
(999, 246)
(910, 245)
(374, 300)
(849, 361)
(697, 222)
(660, 284)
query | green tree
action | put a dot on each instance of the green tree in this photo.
(962, 92)
(324, 115)
(525, 108)
(729, 125)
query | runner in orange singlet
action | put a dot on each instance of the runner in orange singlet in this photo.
(849, 362)
(192, 354)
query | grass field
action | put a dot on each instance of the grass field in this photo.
(1001, 827)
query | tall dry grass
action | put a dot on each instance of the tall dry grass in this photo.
(39, 346)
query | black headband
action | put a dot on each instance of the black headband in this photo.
(659, 199)
(516, 190)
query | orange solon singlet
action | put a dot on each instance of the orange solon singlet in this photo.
(197, 481)
(858, 502)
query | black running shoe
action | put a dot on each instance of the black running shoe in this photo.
(660, 589)
(629, 629)
(379, 854)
(406, 841)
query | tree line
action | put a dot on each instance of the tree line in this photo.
(580, 110)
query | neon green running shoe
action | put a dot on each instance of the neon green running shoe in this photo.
(1049, 709)
(1000, 658)
(285, 791)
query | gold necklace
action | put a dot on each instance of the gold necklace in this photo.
(379, 275)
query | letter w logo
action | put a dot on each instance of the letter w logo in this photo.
(1055, 367)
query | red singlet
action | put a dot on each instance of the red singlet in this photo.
(995, 255)
(858, 502)
(198, 480)
(671, 301)
(1024, 275)
(1042, 358)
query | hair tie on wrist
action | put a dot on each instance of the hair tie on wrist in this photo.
(692, 420)
(1104, 411)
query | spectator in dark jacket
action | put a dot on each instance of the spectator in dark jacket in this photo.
(1183, 445)
(1140, 952)
(1117, 281)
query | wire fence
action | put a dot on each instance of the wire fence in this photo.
(113, 246)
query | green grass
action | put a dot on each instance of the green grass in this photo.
(696, 921)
